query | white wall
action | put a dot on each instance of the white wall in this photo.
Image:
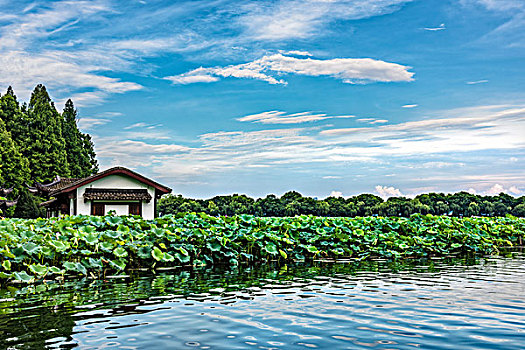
(118, 208)
(117, 181)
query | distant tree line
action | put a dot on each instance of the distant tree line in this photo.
(37, 143)
(293, 203)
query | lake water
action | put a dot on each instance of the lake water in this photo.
(431, 304)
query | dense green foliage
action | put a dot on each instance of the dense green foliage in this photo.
(80, 153)
(34, 249)
(27, 207)
(293, 203)
(37, 142)
(13, 166)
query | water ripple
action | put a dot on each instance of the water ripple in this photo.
(433, 304)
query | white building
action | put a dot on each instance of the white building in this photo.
(117, 189)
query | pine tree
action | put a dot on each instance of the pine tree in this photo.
(80, 152)
(12, 115)
(90, 165)
(43, 144)
(14, 168)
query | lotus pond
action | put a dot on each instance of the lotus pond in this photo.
(44, 249)
(432, 303)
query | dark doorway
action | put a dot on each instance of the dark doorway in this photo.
(135, 208)
(98, 209)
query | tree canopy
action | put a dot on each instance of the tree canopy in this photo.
(38, 143)
(293, 203)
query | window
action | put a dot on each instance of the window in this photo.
(135, 208)
(98, 209)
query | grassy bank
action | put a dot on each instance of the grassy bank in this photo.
(88, 245)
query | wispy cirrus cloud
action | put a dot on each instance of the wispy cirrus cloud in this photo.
(349, 70)
(435, 29)
(62, 45)
(509, 33)
(467, 130)
(87, 124)
(25, 60)
(295, 53)
(81, 48)
(372, 120)
(90, 123)
(280, 117)
(483, 81)
(293, 19)
(485, 127)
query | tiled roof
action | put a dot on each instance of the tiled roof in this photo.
(7, 204)
(75, 183)
(57, 184)
(48, 203)
(116, 194)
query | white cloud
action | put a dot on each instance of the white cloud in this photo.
(481, 128)
(509, 33)
(498, 188)
(372, 121)
(440, 165)
(191, 78)
(435, 29)
(332, 177)
(90, 123)
(22, 70)
(385, 192)
(409, 106)
(349, 70)
(514, 190)
(295, 52)
(477, 82)
(336, 194)
(136, 125)
(279, 117)
(48, 43)
(26, 57)
(494, 190)
(294, 19)
(142, 125)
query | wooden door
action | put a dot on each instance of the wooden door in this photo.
(98, 209)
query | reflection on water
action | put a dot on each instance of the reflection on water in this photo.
(432, 304)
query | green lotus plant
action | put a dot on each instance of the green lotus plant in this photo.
(39, 249)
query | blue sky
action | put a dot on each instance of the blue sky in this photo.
(393, 97)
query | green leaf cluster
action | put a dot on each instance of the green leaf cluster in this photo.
(34, 249)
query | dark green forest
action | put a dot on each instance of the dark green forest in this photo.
(292, 203)
(37, 142)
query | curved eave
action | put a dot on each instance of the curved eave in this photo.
(159, 189)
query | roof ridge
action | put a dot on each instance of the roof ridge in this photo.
(107, 171)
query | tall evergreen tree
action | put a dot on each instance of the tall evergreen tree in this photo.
(14, 168)
(43, 144)
(12, 115)
(91, 159)
(80, 151)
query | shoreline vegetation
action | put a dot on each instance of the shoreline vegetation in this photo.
(34, 250)
(292, 203)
